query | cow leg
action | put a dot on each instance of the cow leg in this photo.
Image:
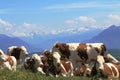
(71, 68)
(18, 61)
(40, 70)
(86, 68)
(7, 66)
(114, 60)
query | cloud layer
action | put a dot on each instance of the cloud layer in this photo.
(76, 25)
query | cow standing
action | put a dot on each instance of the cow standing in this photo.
(80, 52)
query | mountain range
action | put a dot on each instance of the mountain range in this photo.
(110, 37)
(7, 41)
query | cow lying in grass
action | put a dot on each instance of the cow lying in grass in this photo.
(7, 62)
(102, 70)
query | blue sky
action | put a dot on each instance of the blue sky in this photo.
(27, 17)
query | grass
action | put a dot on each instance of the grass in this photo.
(27, 75)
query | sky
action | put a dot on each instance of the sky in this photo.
(24, 18)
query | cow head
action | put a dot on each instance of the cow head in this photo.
(56, 57)
(110, 58)
(29, 64)
(23, 51)
(100, 62)
(37, 59)
(44, 60)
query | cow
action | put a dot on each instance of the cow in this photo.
(65, 68)
(80, 71)
(103, 70)
(18, 52)
(7, 62)
(51, 69)
(38, 65)
(29, 64)
(79, 53)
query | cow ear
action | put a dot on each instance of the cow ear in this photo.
(56, 43)
(1, 52)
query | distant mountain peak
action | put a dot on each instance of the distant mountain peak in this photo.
(6, 41)
(113, 27)
(109, 36)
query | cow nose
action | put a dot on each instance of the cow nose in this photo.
(41, 65)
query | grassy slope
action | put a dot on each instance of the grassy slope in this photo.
(27, 75)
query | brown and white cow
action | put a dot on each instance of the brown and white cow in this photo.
(79, 52)
(38, 65)
(65, 68)
(7, 62)
(51, 69)
(104, 70)
(18, 52)
(29, 64)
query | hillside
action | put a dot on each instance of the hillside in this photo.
(109, 36)
(6, 41)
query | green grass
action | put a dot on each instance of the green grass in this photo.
(27, 75)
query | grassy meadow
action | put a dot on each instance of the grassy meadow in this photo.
(22, 74)
(27, 75)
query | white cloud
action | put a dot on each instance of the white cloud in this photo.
(84, 5)
(70, 22)
(33, 28)
(82, 23)
(112, 19)
(115, 17)
(73, 5)
(5, 23)
(86, 19)
(19, 34)
(76, 25)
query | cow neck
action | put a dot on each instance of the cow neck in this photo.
(16, 53)
(64, 49)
